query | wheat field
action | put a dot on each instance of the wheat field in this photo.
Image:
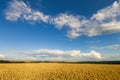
(59, 71)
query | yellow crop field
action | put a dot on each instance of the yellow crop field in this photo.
(59, 71)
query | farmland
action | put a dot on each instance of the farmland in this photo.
(59, 71)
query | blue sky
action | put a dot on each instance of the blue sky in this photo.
(60, 30)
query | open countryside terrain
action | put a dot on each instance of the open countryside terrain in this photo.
(59, 71)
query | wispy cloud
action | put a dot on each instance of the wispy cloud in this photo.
(111, 57)
(105, 21)
(110, 47)
(113, 47)
(19, 10)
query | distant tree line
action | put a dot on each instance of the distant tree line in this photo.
(80, 62)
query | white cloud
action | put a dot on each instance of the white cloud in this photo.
(73, 23)
(104, 21)
(110, 12)
(2, 56)
(19, 10)
(113, 47)
(73, 34)
(110, 47)
(111, 57)
(61, 54)
(31, 58)
(67, 20)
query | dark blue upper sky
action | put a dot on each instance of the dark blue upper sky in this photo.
(21, 34)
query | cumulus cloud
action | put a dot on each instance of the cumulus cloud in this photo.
(60, 54)
(104, 21)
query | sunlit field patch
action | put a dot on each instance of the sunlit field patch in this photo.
(59, 71)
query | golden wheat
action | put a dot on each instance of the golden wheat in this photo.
(59, 71)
